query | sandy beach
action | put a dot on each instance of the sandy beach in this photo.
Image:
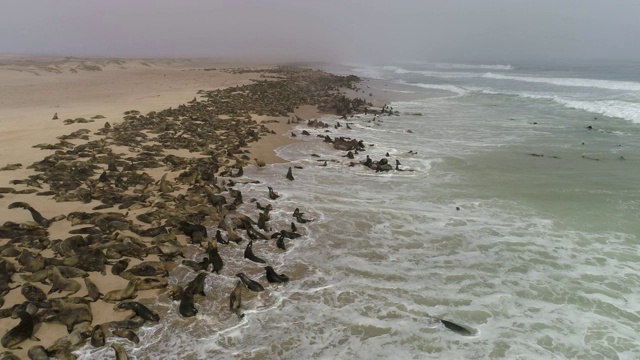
(89, 97)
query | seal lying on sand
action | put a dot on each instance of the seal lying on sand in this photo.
(20, 332)
(37, 217)
(129, 292)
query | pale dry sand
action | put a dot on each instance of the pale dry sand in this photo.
(32, 89)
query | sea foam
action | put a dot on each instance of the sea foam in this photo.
(593, 83)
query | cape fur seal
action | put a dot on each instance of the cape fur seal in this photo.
(251, 284)
(123, 294)
(126, 334)
(214, 258)
(139, 309)
(20, 332)
(97, 336)
(196, 286)
(460, 329)
(37, 217)
(121, 354)
(272, 276)
(248, 253)
(290, 174)
(280, 242)
(235, 300)
(33, 293)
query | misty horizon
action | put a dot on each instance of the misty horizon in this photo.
(379, 31)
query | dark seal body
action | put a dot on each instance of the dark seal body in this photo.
(248, 253)
(140, 310)
(272, 276)
(20, 332)
(251, 284)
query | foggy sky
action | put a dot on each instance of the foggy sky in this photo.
(336, 30)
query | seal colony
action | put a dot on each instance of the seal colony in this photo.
(161, 187)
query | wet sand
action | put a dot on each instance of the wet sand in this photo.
(32, 90)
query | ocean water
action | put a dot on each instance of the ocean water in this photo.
(517, 217)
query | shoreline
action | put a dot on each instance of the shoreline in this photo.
(25, 130)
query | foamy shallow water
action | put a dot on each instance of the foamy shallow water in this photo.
(540, 259)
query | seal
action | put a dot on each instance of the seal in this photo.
(219, 238)
(196, 232)
(127, 293)
(120, 266)
(33, 293)
(38, 352)
(248, 253)
(20, 332)
(460, 329)
(250, 284)
(37, 217)
(127, 334)
(69, 314)
(214, 258)
(290, 174)
(235, 300)
(272, 276)
(280, 242)
(97, 336)
(139, 309)
(195, 265)
(272, 194)
(92, 290)
(59, 283)
(289, 234)
(186, 307)
(120, 353)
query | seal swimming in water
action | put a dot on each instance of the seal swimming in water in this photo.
(251, 284)
(20, 332)
(248, 253)
(139, 309)
(462, 330)
(272, 276)
(290, 174)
